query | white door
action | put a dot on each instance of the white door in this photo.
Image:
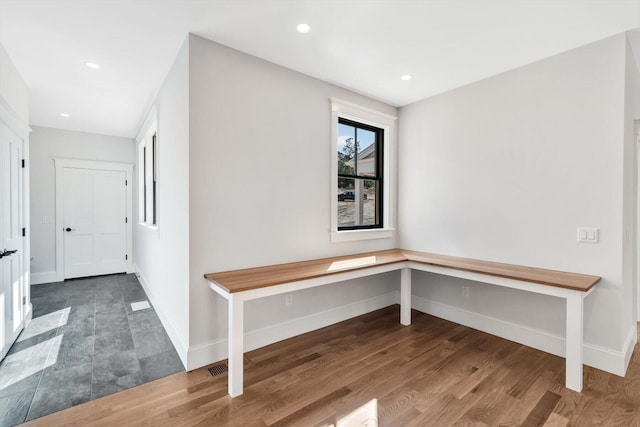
(12, 272)
(95, 222)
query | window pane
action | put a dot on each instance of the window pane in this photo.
(366, 153)
(370, 209)
(346, 202)
(346, 149)
(357, 202)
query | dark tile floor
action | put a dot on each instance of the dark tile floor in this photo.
(83, 343)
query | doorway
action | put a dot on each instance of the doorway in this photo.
(93, 218)
(12, 266)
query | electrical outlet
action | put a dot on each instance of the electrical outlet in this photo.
(465, 291)
(288, 300)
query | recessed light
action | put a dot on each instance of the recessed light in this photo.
(92, 65)
(64, 115)
(406, 77)
(303, 28)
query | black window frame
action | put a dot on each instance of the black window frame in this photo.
(379, 175)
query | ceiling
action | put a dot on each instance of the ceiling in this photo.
(363, 45)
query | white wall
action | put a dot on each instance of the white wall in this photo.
(47, 143)
(162, 255)
(505, 170)
(259, 167)
(13, 89)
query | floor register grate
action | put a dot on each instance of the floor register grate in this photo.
(218, 369)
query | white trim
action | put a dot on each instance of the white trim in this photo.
(595, 356)
(43, 277)
(144, 137)
(351, 235)
(348, 110)
(180, 347)
(62, 163)
(629, 344)
(213, 351)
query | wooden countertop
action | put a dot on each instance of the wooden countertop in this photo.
(261, 277)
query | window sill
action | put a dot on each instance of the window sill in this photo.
(148, 228)
(353, 235)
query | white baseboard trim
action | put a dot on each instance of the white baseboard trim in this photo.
(214, 351)
(629, 345)
(44, 277)
(606, 359)
(180, 347)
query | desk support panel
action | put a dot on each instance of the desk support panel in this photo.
(573, 355)
(236, 345)
(405, 296)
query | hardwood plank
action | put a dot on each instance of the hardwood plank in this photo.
(432, 373)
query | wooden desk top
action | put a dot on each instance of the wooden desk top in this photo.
(261, 277)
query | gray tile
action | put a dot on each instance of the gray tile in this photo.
(150, 342)
(47, 307)
(160, 365)
(27, 384)
(74, 350)
(143, 320)
(81, 298)
(107, 296)
(81, 311)
(24, 344)
(18, 366)
(113, 303)
(133, 295)
(105, 387)
(111, 322)
(14, 408)
(61, 389)
(80, 327)
(110, 366)
(113, 343)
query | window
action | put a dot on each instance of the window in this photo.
(362, 174)
(148, 175)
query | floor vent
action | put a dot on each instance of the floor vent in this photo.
(218, 369)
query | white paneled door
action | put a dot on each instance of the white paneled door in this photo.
(94, 222)
(12, 266)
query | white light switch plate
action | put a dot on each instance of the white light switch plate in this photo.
(588, 235)
(47, 220)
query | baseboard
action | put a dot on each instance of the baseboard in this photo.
(629, 345)
(214, 351)
(44, 277)
(606, 359)
(180, 347)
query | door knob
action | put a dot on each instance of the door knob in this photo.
(69, 229)
(5, 253)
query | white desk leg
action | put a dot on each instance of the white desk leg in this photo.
(405, 296)
(574, 342)
(236, 345)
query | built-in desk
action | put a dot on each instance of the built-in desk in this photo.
(243, 285)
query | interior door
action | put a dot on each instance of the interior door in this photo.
(94, 216)
(12, 273)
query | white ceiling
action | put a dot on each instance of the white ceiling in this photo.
(364, 45)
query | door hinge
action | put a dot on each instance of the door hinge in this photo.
(24, 232)
(24, 300)
(126, 219)
(126, 257)
(23, 163)
(125, 183)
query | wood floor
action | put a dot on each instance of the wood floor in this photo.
(432, 373)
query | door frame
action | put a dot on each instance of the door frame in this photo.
(15, 123)
(61, 163)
